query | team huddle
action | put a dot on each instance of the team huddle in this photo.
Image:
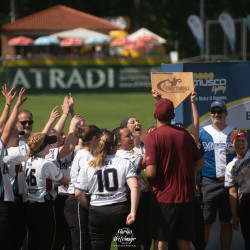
(83, 188)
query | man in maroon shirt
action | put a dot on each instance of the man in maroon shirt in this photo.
(172, 160)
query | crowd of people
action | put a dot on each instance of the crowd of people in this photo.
(82, 187)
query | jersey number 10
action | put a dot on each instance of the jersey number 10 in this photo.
(107, 173)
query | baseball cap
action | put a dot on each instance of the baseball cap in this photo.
(164, 109)
(219, 104)
(240, 134)
(48, 139)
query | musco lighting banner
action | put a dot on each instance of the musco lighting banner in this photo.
(225, 81)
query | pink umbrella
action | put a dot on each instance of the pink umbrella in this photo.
(20, 41)
(148, 38)
(71, 42)
(140, 46)
(120, 42)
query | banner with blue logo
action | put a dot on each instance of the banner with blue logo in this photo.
(226, 81)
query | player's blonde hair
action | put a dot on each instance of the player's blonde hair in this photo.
(104, 148)
(34, 142)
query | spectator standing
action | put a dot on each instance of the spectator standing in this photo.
(172, 159)
(24, 123)
(237, 178)
(215, 143)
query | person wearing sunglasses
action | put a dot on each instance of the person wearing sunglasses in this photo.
(25, 123)
(215, 145)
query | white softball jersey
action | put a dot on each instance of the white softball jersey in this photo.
(14, 161)
(82, 157)
(64, 165)
(6, 191)
(40, 175)
(135, 159)
(140, 151)
(238, 173)
(106, 184)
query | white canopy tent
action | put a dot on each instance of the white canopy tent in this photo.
(79, 33)
(143, 32)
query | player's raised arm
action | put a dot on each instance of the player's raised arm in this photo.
(53, 116)
(10, 125)
(70, 141)
(9, 98)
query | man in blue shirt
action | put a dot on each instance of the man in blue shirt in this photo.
(217, 150)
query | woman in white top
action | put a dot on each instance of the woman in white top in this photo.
(14, 161)
(104, 178)
(75, 214)
(7, 205)
(237, 178)
(40, 173)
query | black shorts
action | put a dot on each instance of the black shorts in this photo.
(173, 221)
(215, 197)
(105, 221)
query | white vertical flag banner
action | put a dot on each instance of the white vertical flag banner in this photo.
(228, 25)
(196, 27)
(248, 22)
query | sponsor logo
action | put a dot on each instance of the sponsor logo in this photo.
(209, 80)
(208, 146)
(171, 86)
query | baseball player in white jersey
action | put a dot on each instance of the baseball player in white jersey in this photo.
(104, 178)
(40, 173)
(7, 206)
(126, 150)
(76, 214)
(237, 178)
(63, 164)
(82, 156)
(61, 154)
(62, 237)
(106, 185)
(14, 159)
(16, 155)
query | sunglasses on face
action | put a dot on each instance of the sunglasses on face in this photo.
(218, 111)
(23, 123)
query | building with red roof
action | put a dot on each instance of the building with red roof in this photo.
(49, 21)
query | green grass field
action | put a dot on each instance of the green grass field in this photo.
(103, 110)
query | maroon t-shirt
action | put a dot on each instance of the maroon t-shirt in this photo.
(173, 151)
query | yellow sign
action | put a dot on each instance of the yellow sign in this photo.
(175, 86)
